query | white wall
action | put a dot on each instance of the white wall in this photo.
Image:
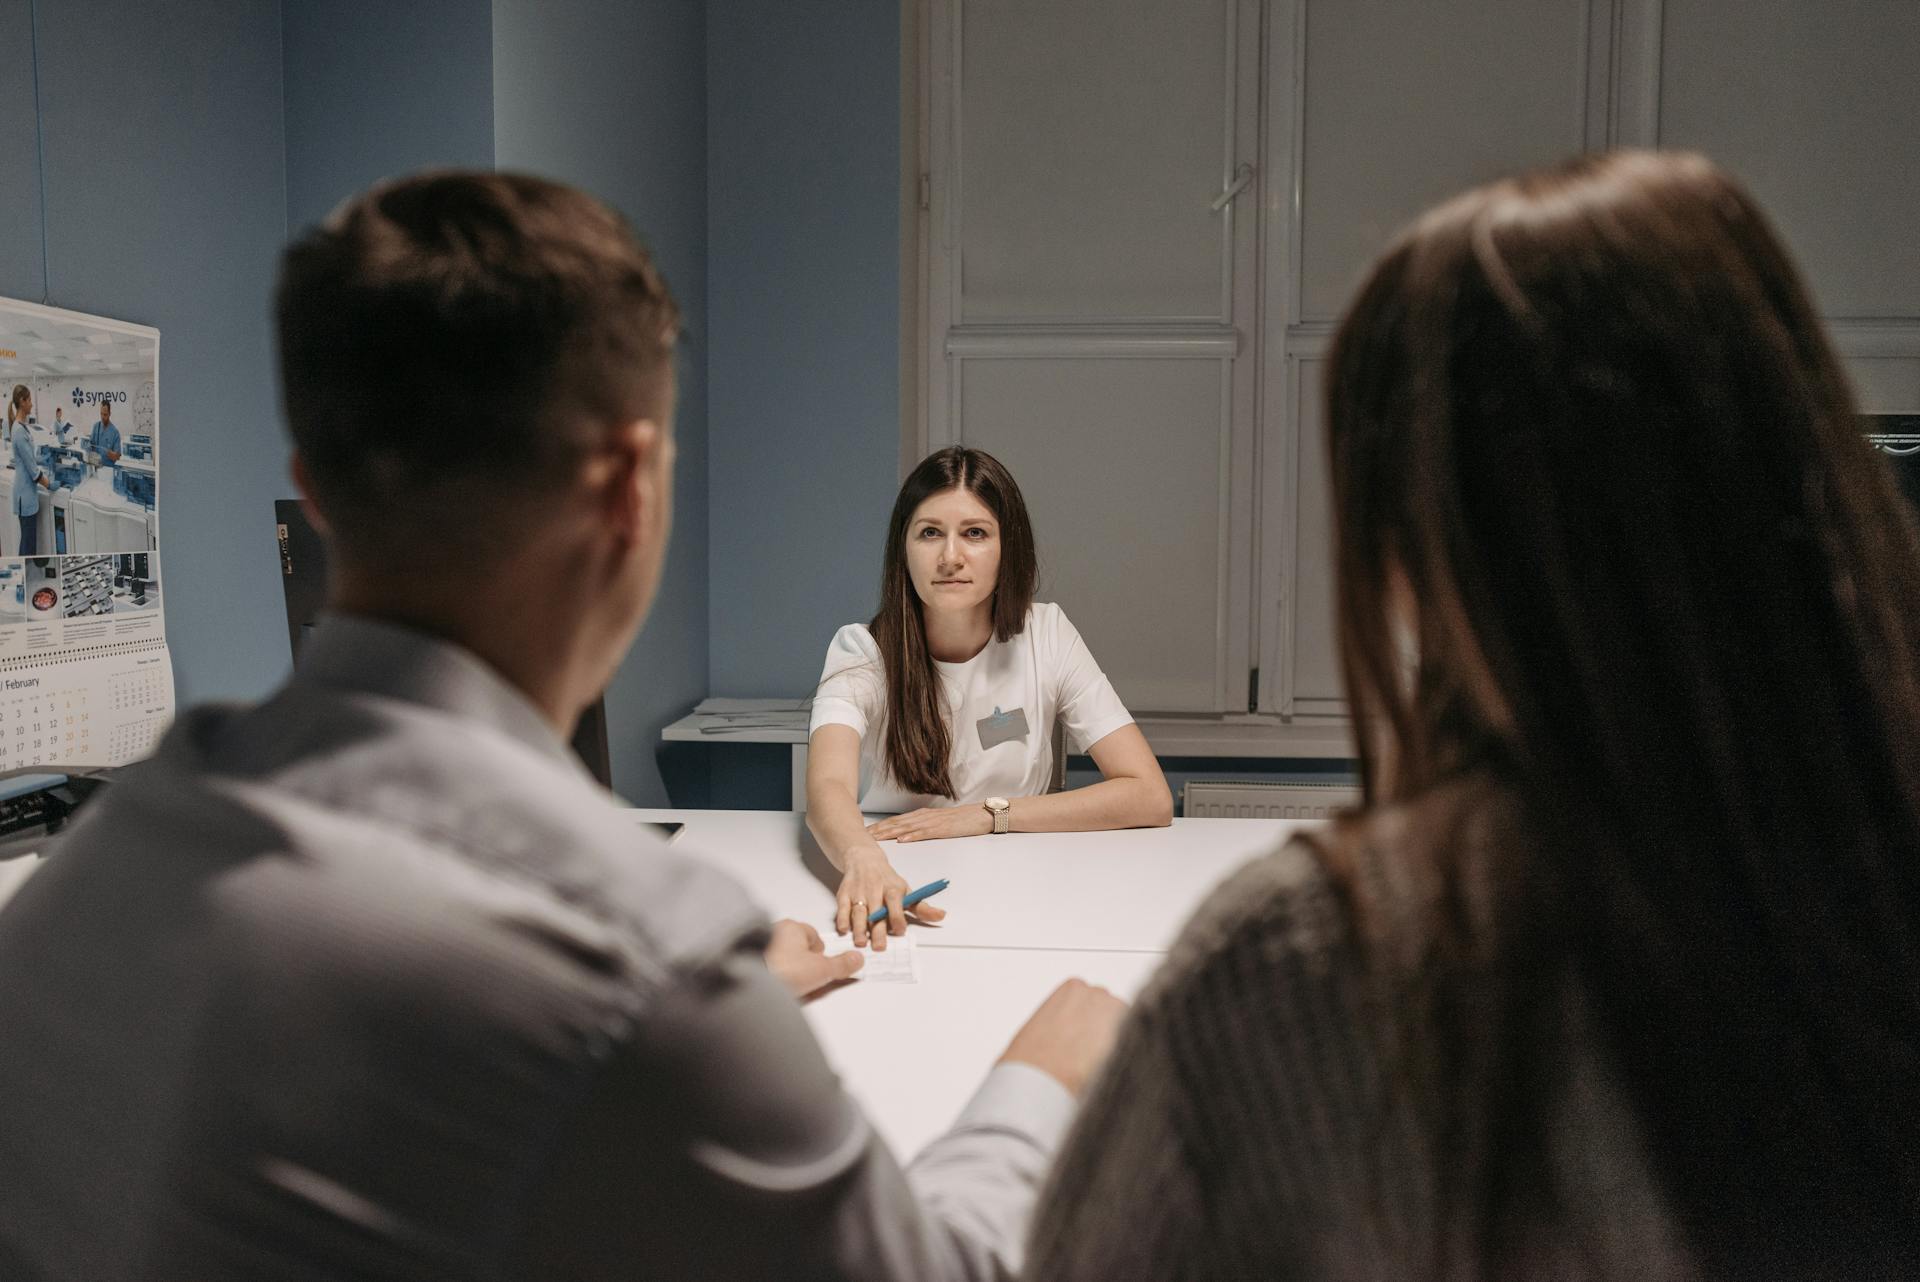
(1373, 113)
(56, 392)
(1815, 105)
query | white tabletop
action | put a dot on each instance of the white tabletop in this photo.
(1126, 891)
(913, 1054)
(1026, 911)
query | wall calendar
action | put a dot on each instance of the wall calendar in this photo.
(85, 676)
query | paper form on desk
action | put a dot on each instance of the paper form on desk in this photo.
(896, 964)
(736, 716)
(741, 725)
(719, 707)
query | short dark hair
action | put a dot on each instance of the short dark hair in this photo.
(449, 345)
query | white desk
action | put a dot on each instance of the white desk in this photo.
(913, 1053)
(1107, 891)
(784, 726)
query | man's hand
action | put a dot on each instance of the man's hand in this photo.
(933, 823)
(798, 958)
(1070, 1035)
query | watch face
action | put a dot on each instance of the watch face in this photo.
(996, 803)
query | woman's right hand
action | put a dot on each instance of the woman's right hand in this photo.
(869, 882)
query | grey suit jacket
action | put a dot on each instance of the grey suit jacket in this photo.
(373, 981)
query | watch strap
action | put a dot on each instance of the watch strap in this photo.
(1001, 816)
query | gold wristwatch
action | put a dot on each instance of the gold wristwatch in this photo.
(1000, 810)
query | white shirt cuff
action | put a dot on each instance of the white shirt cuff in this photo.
(1021, 1098)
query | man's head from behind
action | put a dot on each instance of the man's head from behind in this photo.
(454, 348)
(478, 373)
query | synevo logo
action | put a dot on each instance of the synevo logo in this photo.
(82, 397)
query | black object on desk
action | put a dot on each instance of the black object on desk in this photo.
(303, 574)
(1897, 436)
(37, 801)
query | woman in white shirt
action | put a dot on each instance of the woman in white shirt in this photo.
(941, 710)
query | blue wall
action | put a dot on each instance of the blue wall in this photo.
(184, 140)
(20, 275)
(608, 96)
(803, 121)
(754, 144)
(166, 204)
(375, 89)
(611, 96)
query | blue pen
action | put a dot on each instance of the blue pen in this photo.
(931, 888)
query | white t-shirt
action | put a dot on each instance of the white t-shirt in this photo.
(1001, 706)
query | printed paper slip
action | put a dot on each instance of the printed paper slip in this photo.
(898, 963)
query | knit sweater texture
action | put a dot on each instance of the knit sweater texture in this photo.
(1308, 1087)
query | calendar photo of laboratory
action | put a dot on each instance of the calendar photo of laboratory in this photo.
(81, 444)
(115, 584)
(36, 588)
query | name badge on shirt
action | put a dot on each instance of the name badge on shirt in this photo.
(1002, 727)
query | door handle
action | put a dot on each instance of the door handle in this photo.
(1241, 177)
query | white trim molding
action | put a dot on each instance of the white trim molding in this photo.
(1212, 342)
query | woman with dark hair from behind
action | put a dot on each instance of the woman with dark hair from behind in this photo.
(941, 710)
(1616, 971)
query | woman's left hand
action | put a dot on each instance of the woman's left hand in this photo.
(933, 823)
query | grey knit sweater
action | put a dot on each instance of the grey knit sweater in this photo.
(1283, 1103)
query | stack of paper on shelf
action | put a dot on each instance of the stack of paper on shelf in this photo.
(728, 716)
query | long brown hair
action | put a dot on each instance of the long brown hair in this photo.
(20, 393)
(918, 739)
(1586, 423)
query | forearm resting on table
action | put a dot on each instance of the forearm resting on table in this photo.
(834, 818)
(1111, 803)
